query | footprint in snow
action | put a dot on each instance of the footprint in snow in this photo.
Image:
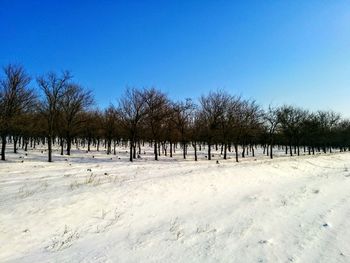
(284, 202)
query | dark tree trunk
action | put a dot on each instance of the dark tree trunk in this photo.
(3, 147)
(298, 149)
(184, 150)
(134, 150)
(236, 151)
(61, 142)
(225, 151)
(271, 153)
(49, 146)
(130, 151)
(89, 143)
(195, 151)
(15, 140)
(155, 151)
(109, 146)
(209, 151)
(69, 145)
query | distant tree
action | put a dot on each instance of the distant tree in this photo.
(250, 124)
(91, 127)
(156, 109)
(195, 126)
(211, 113)
(74, 101)
(15, 99)
(271, 118)
(244, 121)
(291, 119)
(183, 115)
(311, 128)
(342, 135)
(132, 112)
(233, 130)
(110, 126)
(53, 88)
(171, 133)
(227, 120)
(328, 120)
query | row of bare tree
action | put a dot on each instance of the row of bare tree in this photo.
(61, 112)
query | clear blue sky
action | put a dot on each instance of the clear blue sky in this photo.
(277, 52)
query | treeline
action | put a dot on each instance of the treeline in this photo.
(62, 112)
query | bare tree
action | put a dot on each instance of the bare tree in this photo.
(110, 126)
(91, 127)
(53, 88)
(15, 99)
(63, 115)
(132, 111)
(291, 119)
(157, 108)
(328, 120)
(311, 129)
(73, 102)
(229, 120)
(183, 115)
(195, 126)
(271, 122)
(212, 111)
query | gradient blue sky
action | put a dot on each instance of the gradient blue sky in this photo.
(277, 52)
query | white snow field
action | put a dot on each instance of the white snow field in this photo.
(105, 209)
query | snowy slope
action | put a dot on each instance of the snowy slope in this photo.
(86, 209)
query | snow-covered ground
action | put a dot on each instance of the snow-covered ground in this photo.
(105, 209)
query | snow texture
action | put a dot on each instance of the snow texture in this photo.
(91, 207)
